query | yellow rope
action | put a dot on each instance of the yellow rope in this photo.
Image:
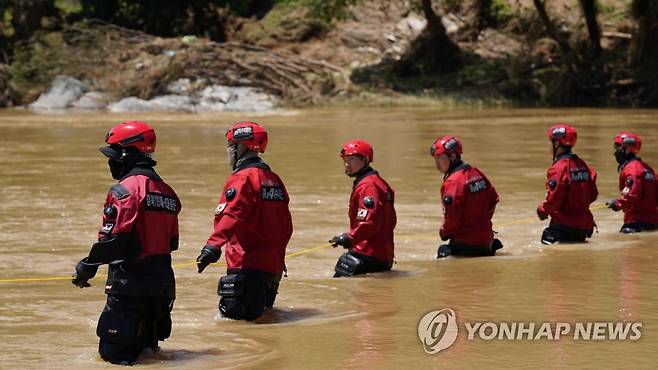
(307, 250)
(289, 255)
(185, 264)
(26, 280)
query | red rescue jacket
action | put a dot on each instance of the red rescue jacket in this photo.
(570, 189)
(253, 219)
(372, 217)
(140, 227)
(639, 192)
(469, 200)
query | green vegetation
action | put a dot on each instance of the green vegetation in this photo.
(500, 12)
(324, 10)
(69, 6)
(5, 23)
(606, 8)
(285, 22)
(36, 64)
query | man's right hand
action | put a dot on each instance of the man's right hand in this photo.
(343, 240)
(208, 255)
(613, 204)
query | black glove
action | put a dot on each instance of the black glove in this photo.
(443, 251)
(613, 205)
(541, 214)
(83, 272)
(209, 254)
(343, 240)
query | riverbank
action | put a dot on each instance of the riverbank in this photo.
(289, 58)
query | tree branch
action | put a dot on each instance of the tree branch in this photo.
(550, 27)
(590, 11)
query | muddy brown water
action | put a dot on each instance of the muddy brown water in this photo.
(53, 183)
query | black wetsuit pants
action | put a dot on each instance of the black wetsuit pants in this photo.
(637, 227)
(130, 323)
(352, 263)
(245, 295)
(555, 233)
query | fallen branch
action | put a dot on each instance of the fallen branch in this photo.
(618, 35)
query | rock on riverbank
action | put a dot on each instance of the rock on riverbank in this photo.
(181, 96)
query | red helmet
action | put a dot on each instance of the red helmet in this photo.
(447, 144)
(563, 133)
(250, 134)
(135, 134)
(358, 147)
(629, 140)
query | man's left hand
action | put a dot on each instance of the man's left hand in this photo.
(83, 272)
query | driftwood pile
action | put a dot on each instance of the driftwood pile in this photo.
(131, 63)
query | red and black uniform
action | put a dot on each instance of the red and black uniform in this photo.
(570, 189)
(639, 195)
(253, 222)
(469, 200)
(372, 221)
(141, 217)
(139, 232)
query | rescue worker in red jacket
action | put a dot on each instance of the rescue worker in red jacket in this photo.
(639, 189)
(253, 223)
(469, 201)
(139, 232)
(570, 189)
(371, 213)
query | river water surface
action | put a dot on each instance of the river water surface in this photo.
(53, 183)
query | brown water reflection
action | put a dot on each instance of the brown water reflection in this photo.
(53, 181)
